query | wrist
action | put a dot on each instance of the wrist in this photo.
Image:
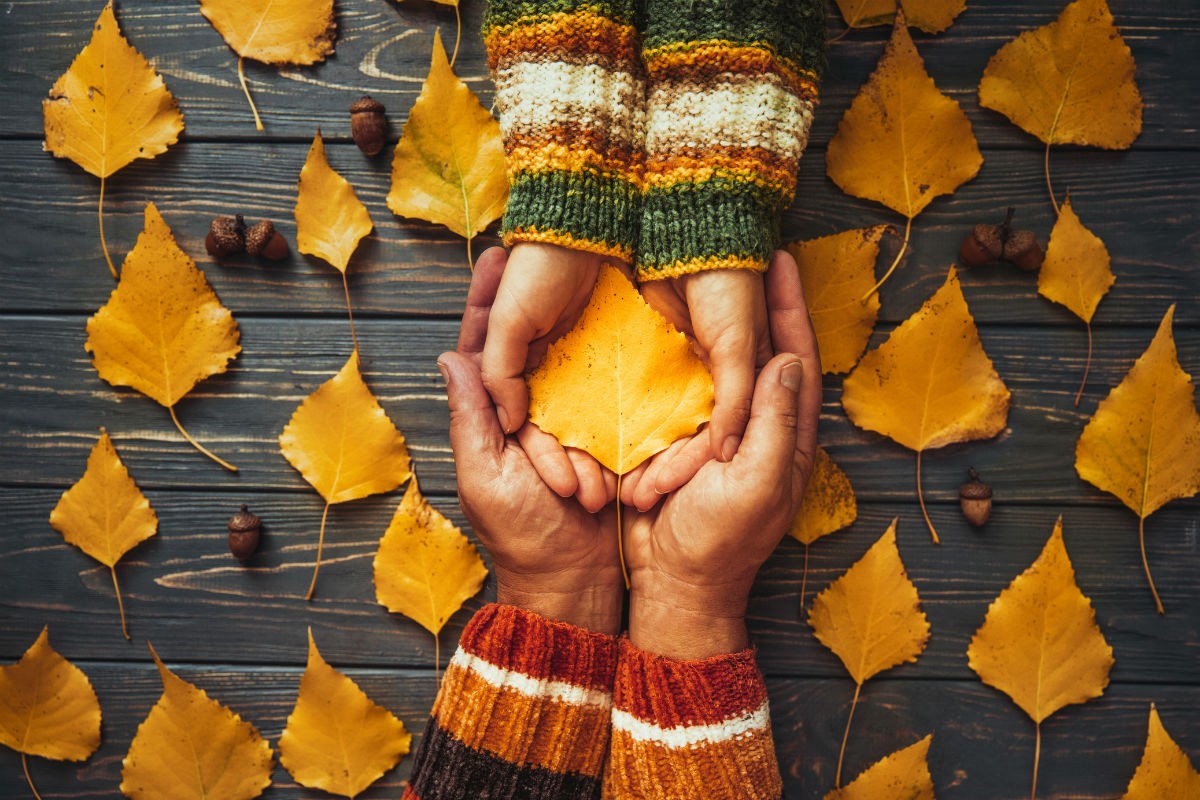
(593, 605)
(681, 620)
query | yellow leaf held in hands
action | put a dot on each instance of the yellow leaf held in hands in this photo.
(105, 514)
(931, 16)
(828, 505)
(903, 774)
(190, 747)
(48, 708)
(837, 273)
(342, 442)
(1039, 642)
(930, 384)
(1165, 770)
(902, 142)
(273, 32)
(1143, 443)
(448, 166)
(336, 738)
(163, 329)
(1076, 273)
(1069, 82)
(330, 219)
(109, 108)
(623, 384)
(871, 619)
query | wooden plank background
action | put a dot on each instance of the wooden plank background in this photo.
(239, 631)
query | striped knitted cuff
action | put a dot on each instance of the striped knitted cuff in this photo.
(523, 711)
(690, 729)
(569, 95)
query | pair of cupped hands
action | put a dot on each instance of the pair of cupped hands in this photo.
(700, 518)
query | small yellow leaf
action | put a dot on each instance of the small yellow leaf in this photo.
(448, 166)
(110, 107)
(425, 568)
(190, 747)
(1165, 770)
(829, 503)
(931, 16)
(904, 775)
(871, 616)
(1069, 82)
(330, 219)
(623, 384)
(336, 738)
(902, 142)
(837, 272)
(275, 31)
(48, 707)
(1076, 271)
(1039, 642)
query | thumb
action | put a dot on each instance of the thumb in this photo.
(503, 369)
(474, 429)
(769, 447)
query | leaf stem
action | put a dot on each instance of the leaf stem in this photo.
(197, 445)
(120, 604)
(103, 242)
(837, 780)
(921, 499)
(803, 582)
(258, 126)
(1087, 367)
(349, 311)
(1037, 759)
(437, 663)
(1049, 188)
(1146, 564)
(457, 33)
(895, 263)
(470, 258)
(620, 536)
(320, 546)
(29, 780)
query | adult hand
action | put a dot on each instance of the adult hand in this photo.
(693, 558)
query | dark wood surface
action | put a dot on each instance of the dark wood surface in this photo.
(239, 631)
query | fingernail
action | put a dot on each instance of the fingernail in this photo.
(445, 372)
(500, 412)
(729, 447)
(791, 375)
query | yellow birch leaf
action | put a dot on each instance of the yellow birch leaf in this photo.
(336, 738)
(425, 568)
(330, 219)
(190, 747)
(105, 514)
(931, 16)
(1069, 82)
(448, 166)
(48, 707)
(829, 503)
(163, 329)
(623, 384)
(837, 272)
(930, 384)
(342, 442)
(1143, 443)
(1165, 771)
(904, 775)
(1076, 271)
(109, 108)
(273, 32)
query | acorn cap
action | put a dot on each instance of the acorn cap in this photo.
(225, 237)
(975, 490)
(244, 521)
(366, 103)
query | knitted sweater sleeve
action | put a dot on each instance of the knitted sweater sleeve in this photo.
(569, 92)
(523, 711)
(731, 88)
(690, 729)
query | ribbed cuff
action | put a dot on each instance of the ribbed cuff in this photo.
(575, 209)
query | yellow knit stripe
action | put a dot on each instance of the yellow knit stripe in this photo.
(665, 173)
(802, 82)
(550, 236)
(527, 38)
(678, 269)
(553, 157)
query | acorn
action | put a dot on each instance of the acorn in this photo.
(983, 245)
(243, 534)
(264, 241)
(368, 125)
(975, 499)
(226, 236)
(1021, 249)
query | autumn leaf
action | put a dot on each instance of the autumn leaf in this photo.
(48, 707)
(1039, 642)
(837, 273)
(105, 514)
(931, 16)
(1143, 443)
(448, 166)
(623, 384)
(1165, 770)
(336, 738)
(330, 219)
(930, 384)
(163, 329)
(192, 747)
(273, 32)
(871, 619)
(1075, 273)
(902, 142)
(342, 442)
(903, 774)
(828, 505)
(109, 108)
(1069, 82)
